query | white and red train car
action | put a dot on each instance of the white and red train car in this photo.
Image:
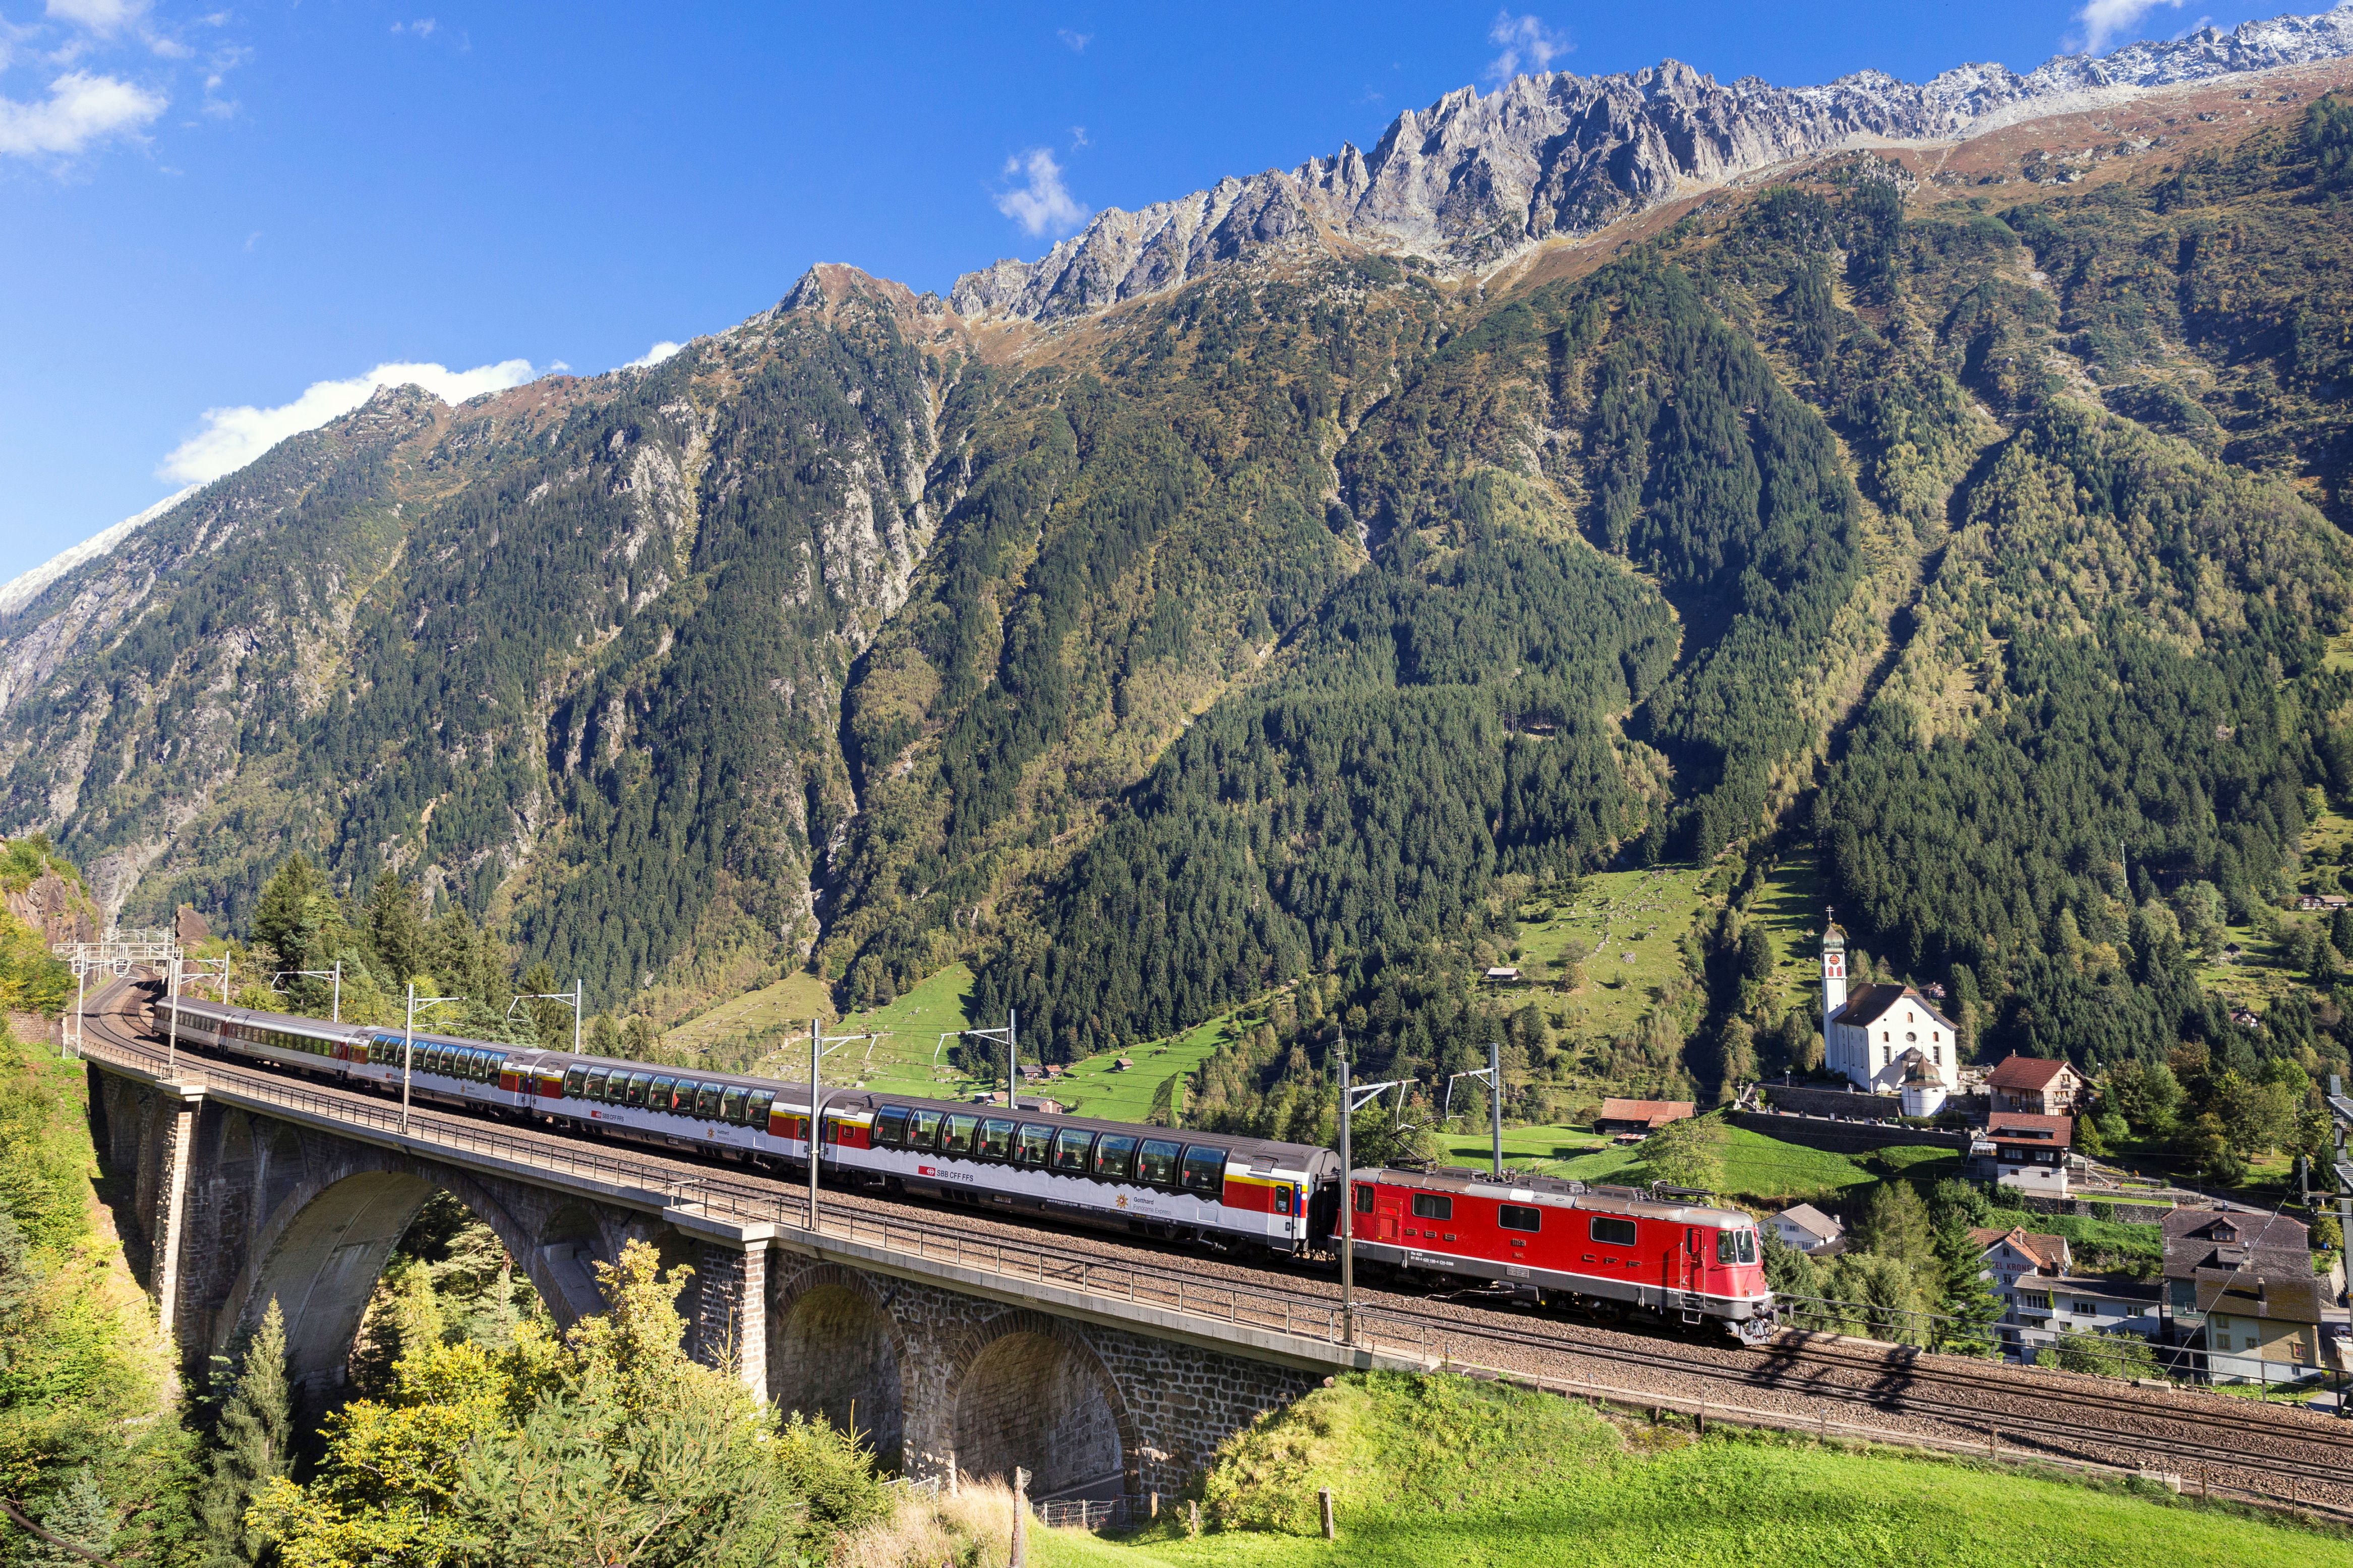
(1601, 1249)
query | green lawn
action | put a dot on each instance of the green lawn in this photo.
(1444, 1472)
(1767, 1171)
(1628, 922)
(1525, 1148)
(1096, 1088)
(1790, 906)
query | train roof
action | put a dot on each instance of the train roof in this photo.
(1558, 1192)
(1258, 1154)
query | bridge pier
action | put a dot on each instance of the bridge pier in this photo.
(728, 1328)
(181, 1108)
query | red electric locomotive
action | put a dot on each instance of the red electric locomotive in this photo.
(1600, 1250)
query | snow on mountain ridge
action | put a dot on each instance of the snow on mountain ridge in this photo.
(26, 587)
(1473, 179)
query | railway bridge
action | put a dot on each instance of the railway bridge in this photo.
(950, 1353)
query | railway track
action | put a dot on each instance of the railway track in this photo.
(2270, 1453)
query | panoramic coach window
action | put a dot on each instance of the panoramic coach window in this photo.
(682, 1097)
(706, 1100)
(755, 1110)
(731, 1103)
(575, 1081)
(1070, 1150)
(1432, 1205)
(958, 1137)
(1035, 1141)
(1205, 1170)
(1157, 1163)
(890, 1126)
(1520, 1216)
(996, 1138)
(658, 1096)
(1114, 1157)
(595, 1083)
(926, 1124)
(1613, 1232)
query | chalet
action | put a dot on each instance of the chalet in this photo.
(2036, 1085)
(2322, 902)
(1641, 1117)
(1502, 974)
(2030, 1153)
(2239, 1285)
(1883, 1036)
(1809, 1229)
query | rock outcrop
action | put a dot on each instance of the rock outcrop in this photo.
(1475, 178)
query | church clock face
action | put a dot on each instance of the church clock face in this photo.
(1834, 965)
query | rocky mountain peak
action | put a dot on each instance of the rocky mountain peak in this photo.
(1476, 178)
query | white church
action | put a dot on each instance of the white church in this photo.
(1886, 1039)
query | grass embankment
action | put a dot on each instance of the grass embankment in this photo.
(1626, 924)
(1446, 1470)
(1751, 1167)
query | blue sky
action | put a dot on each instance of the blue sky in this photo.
(232, 206)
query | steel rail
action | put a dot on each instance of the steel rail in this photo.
(1400, 1331)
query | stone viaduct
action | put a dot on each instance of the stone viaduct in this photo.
(239, 1197)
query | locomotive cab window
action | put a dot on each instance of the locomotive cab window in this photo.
(1432, 1205)
(890, 1126)
(1364, 1197)
(996, 1138)
(1520, 1216)
(1114, 1157)
(1613, 1232)
(1205, 1170)
(1070, 1150)
(1155, 1163)
(731, 1103)
(1035, 1141)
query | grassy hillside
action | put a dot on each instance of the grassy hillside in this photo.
(1446, 1470)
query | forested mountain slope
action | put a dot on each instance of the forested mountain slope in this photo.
(1968, 516)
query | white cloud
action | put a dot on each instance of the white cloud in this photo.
(1045, 205)
(1078, 136)
(233, 437)
(1526, 44)
(99, 15)
(422, 27)
(2103, 20)
(1078, 42)
(80, 109)
(653, 356)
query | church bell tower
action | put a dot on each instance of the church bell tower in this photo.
(1834, 984)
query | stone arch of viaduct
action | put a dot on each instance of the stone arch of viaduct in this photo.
(232, 1208)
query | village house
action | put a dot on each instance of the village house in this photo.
(1885, 1038)
(1638, 1117)
(2037, 1085)
(2323, 903)
(1807, 1228)
(2239, 1287)
(2027, 1152)
(2042, 1296)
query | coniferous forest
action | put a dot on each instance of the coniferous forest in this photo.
(1290, 639)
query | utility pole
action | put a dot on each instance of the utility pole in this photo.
(579, 999)
(1012, 1055)
(171, 997)
(1352, 1097)
(1495, 1099)
(335, 974)
(1347, 1212)
(408, 1045)
(818, 1041)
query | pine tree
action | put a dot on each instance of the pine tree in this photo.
(79, 1513)
(252, 1445)
(395, 931)
(284, 918)
(1967, 1300)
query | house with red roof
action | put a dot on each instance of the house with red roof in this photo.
(2038, 1086)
